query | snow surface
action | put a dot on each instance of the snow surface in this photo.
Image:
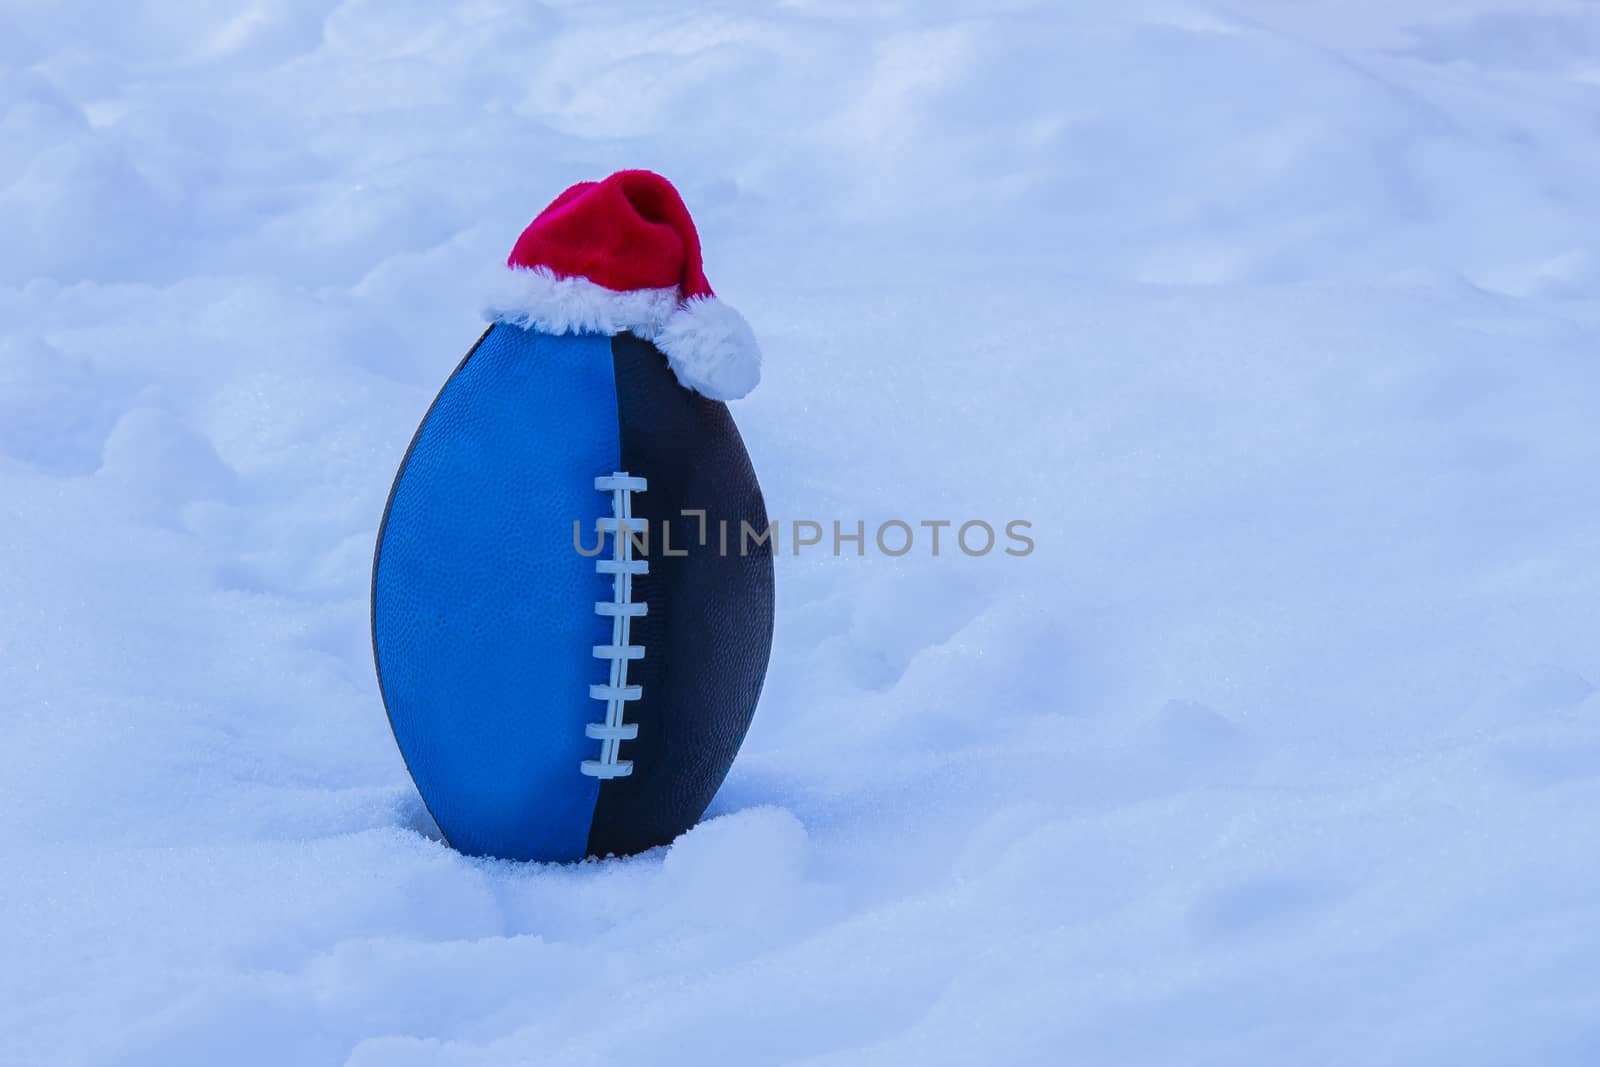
(1279, 322)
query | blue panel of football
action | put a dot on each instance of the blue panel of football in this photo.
(483, 613)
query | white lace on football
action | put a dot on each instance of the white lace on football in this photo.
(621, 609)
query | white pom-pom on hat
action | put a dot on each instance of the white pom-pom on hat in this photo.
(711, 348)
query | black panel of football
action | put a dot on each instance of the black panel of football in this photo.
(708, 632)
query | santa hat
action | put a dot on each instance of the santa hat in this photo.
(622, 255)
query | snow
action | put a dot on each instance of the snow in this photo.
(1278, 322)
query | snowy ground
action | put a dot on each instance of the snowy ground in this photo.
(1279, 322)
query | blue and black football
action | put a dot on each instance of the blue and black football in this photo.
(570, 622)
(553, 705)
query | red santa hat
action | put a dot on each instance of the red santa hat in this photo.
(622, 255)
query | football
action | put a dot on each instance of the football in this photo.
(570, 621)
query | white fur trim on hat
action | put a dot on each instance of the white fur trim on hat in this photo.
(709, 346)
(535, 299)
